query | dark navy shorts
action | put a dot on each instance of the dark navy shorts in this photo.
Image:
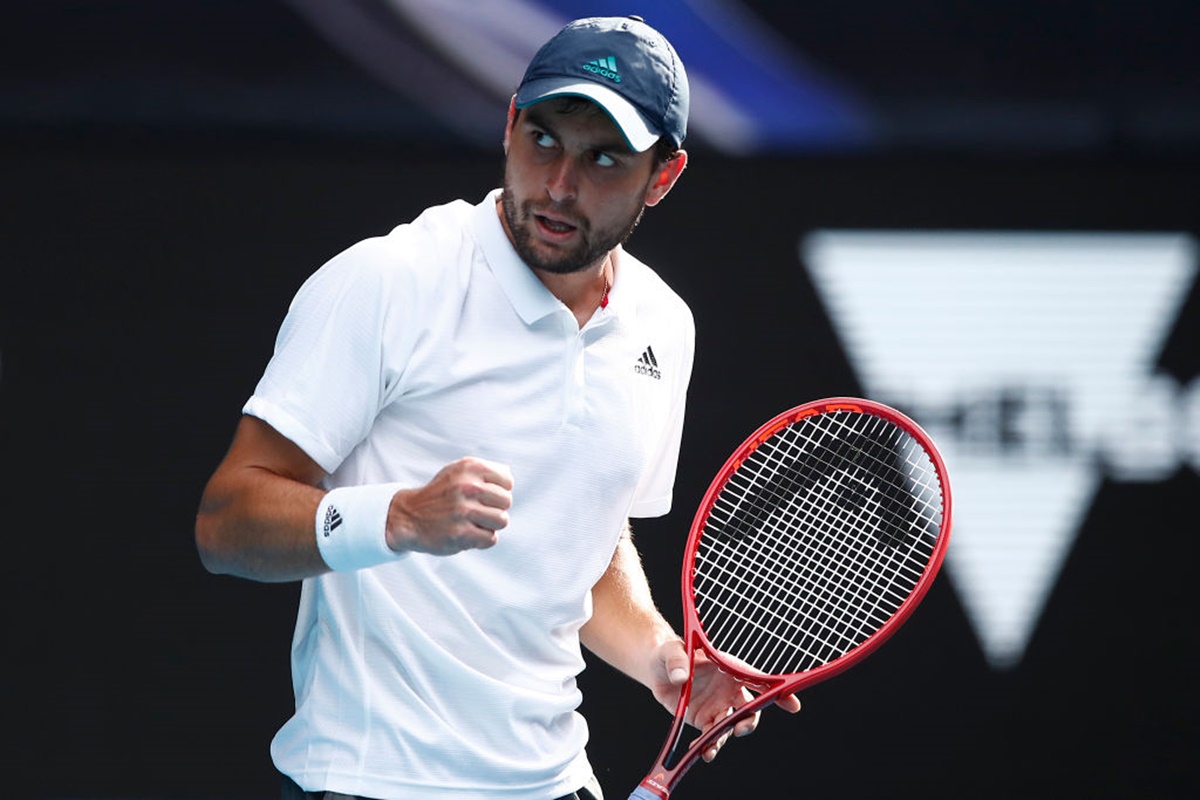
(290, 791)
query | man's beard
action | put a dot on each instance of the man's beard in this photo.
(590, 252)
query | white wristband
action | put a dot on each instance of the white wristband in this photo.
(351, 526)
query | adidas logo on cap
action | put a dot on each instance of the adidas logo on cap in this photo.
(604, 67)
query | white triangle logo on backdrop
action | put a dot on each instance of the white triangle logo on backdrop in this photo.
(1024, 356)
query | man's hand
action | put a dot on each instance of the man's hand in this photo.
(462, 508)
(715, 694)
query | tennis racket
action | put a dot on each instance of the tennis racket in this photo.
(813, 544)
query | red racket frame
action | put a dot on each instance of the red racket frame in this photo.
(663, 779)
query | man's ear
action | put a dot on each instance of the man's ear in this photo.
(665, 178)
(512, 115)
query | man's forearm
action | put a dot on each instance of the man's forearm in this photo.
(626, 627)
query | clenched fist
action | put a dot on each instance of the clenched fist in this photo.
(462, 508)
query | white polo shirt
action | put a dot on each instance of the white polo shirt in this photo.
(454, 677)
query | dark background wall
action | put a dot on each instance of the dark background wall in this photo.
(144, 270)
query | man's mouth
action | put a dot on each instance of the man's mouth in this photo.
(554, 226)
(555, 232)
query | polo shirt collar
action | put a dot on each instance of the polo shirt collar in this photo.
(528, 295)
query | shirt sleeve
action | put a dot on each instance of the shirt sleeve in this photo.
(655, 490)
(326, 381)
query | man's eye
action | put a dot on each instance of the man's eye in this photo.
(605, 160)
(542, 139)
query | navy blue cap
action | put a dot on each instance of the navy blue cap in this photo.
(624, 66)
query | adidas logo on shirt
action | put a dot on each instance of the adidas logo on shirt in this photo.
(604, 67)
(332, 520)
(648, 365)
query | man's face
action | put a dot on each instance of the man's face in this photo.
(573, 190)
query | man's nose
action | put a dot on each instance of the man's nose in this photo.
(562, 184)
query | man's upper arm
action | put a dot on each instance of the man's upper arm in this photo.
(257, 445)
(256, 513)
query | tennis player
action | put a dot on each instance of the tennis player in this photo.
(458, 421)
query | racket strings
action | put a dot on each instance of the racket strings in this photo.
(786, 601)
(837, 635)
(783, 613)
(806, 609)
(815, 541)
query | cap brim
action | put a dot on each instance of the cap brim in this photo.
(628, 119)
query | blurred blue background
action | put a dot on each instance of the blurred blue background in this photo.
(863, 76)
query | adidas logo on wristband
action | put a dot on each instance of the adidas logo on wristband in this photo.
(332, 519)
(359, 515)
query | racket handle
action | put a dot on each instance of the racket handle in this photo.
(642, 793)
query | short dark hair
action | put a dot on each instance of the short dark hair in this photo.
(664, 150)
